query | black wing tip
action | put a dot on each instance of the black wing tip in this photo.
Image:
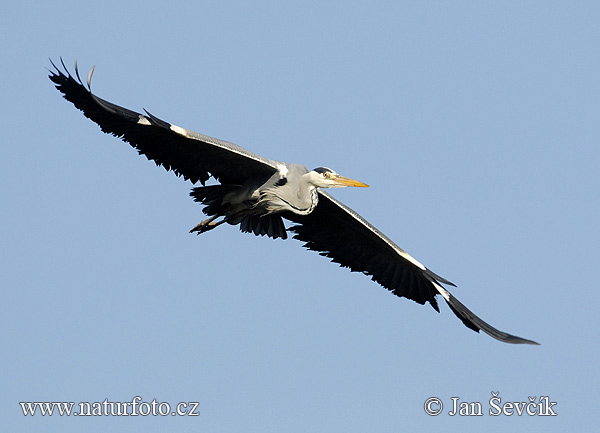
(58, 72)
(62, 76)
(63, 73)
(473, 322)
(518, 340)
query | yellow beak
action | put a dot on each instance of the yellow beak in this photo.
(346, 181)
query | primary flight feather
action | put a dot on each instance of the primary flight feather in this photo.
(258, 193)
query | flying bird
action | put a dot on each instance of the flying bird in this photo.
(258, 193)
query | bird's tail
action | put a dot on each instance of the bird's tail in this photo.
(269, 224)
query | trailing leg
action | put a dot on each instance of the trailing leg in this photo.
(207, 224)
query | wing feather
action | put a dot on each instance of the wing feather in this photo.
(187, 153)
(338, 232)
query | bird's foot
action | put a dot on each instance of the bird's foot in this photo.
(206, 225)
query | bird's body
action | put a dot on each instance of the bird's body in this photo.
(257, 203)
(258, 194)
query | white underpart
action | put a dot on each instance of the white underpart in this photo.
(143, 121)
(179, 130)
(442, 291)
(283, 170)
(411, 259)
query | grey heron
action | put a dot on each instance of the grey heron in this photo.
(257, 193)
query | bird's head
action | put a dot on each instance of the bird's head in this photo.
(324, 177)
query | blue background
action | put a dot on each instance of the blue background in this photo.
(476, 125)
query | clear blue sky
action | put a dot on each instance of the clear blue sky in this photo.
(476, 125)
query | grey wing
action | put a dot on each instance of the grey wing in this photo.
(189, 154)
(338, 232)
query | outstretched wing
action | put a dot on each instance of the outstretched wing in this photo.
(338, 232)
(189, 154)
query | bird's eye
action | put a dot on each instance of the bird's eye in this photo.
(325, 175)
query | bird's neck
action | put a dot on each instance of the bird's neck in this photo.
(311, 199)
